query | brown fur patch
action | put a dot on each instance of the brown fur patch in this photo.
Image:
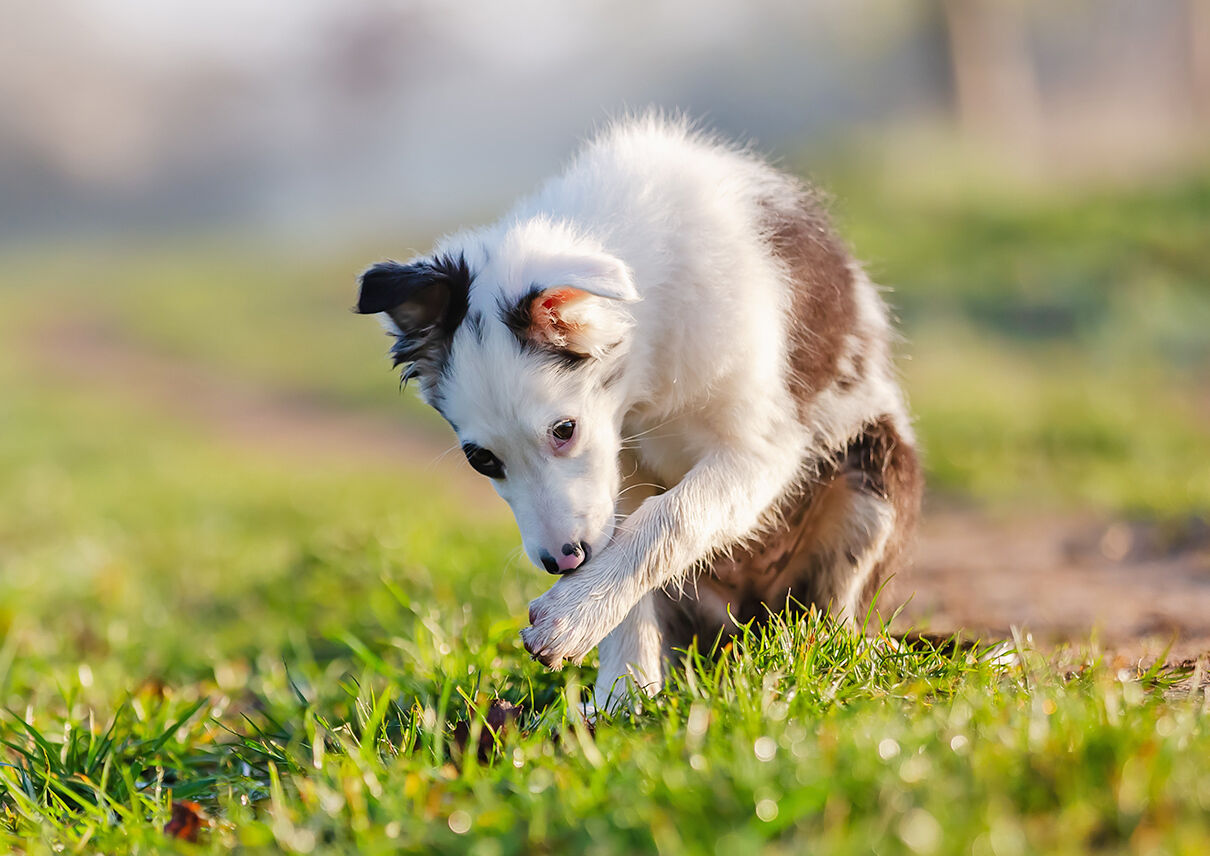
(851, 378)
(901, 483)
(794, 557)
(824, 307)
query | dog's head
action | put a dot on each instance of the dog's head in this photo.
(518, 343)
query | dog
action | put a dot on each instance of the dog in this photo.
(678, 377)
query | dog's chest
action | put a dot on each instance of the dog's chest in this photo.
(667, 448)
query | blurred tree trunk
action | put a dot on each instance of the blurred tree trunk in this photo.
(994, 81)
(1198, 21)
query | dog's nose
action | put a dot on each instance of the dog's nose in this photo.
(573, 556)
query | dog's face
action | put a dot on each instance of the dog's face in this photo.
(521, 356)
(548, 437)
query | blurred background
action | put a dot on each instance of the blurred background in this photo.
(316, 117)
(192, 423)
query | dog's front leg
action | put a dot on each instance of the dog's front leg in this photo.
(630, 656)
(718, 502)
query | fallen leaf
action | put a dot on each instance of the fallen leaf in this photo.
(500, 715)
(188, 818)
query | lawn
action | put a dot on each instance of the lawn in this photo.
(291, 644)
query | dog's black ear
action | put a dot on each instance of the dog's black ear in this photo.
(423, 301)
(418, 295)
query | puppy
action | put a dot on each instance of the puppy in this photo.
(679, 379)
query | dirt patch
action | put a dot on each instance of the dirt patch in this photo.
(1139, 587)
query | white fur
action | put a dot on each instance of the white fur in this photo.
(687, 307)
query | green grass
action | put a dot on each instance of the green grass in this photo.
(800, 739)
(1058, 341)
(292, 650)
(292, 644)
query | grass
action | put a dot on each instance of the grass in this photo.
(292, 645)
(1059, 342)
(293, 650)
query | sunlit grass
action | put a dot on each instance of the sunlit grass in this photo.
(292, 647)
(1050, 428)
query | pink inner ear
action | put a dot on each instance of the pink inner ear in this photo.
(547, 324)
(556, 297)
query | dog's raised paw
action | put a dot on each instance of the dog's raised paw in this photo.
(570, 620)
(532, 638)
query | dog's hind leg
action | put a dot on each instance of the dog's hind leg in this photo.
(848, 563)
(858, 524)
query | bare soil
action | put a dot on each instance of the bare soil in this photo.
(1142, 589)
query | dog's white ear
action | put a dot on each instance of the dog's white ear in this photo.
(577, 313)
(421, 303)
(598, 274)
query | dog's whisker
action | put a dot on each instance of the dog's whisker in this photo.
(631, 487)
(663, 424)
(631, 441)
(632, 472)
(657, 427)
(441, 457)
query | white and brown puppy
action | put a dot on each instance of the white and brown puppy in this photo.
(680, 380)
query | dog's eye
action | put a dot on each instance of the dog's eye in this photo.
(563, 430)
(483, 461)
